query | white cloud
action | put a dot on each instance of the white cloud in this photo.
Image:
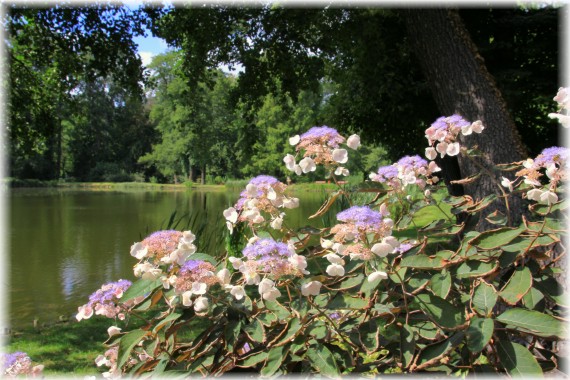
(146, 57)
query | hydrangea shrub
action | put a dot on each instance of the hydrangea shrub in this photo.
(358, 297)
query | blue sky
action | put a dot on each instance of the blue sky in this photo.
(150, 46)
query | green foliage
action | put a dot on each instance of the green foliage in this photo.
(454, 301)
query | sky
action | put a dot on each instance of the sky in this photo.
(150, 46)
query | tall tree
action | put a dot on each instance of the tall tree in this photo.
(50, 51)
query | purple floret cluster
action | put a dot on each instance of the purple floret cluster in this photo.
(266, 249)
(386, 173)
(447, 122)
(109, 293)
(19, 363)
(361, 216)
(409, 163)
(330, 135)
(553, 155)
(263, 181)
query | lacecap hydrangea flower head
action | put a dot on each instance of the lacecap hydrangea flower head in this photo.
(552, 162)
(320, 146)
(263, 195)
(162, 252)
(409, 170)
(106, 301)
(442, 135)
(19, 364)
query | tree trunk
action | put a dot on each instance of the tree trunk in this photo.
(461, 84)
(203, 175)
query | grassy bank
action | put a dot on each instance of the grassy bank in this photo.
(64, 348)
(115, 186)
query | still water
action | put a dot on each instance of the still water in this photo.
(64, 244)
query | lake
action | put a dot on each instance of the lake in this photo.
(63, 244)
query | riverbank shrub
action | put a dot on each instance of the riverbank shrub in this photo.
(367, 297)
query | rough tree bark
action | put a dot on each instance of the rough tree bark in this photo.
(460, 83)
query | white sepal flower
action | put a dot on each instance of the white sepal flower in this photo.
(294, 140)
(299, 262)
(139, 251)
(236, 262)
(265, 285)
(231, 215)
(342, 171)
(340, 155)
(312, 288)
(534, 194)
(238, 292)
(505, 182)
(291, 203)
(431, 153)
(113, 330)
(548, 197)
(453, 149)
(382, 249)
(307, 165)
(477, 126)
(335, 270)
(378, 275)
(271, 294)
(289, 161)
(224, 276)
(353, 142)
(334, 259)
(201, 304)
(186, 298)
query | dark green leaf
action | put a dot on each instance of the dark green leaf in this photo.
(443, 313)
(440, 284)
(322, 360)
(517, 286)
(345, 301)
(407, 345)
(274, 359)
(127, 343)
(533, 322)
(140, 288)
(479, 333)
(496, 238)
(484, 298)
(438, 350)
(516, 359)
(252, 360)
(533, 300)
(475, 268)
(255, 331)
(423, 262)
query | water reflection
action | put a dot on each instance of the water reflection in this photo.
(64, 244)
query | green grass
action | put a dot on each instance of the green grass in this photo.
(64, 348)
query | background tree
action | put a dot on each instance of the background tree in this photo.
(50, 51)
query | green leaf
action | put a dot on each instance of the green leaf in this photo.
(350, 282)
(479, 333)
(552, 289)
(317, 329)
(497, 218)
(345, 301)
(440, 284)
(127, 343)
(170, 318)
(438, 350)
(533, 299)
(140, 288)
(255, 331)
(407, 345)
(517, 286)
(423, 262)
(203, 257)
(274, 359)
(231, 333)
(496, 238)
(322, 360)
(252, 360)
(484, 298)
(426, 329)
(533, 322)
(369, 335)
(267, 318)
(294, 326)
(475, 268)
(516, 359)
(442, 312)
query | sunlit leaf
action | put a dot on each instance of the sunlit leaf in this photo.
(517, 286)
